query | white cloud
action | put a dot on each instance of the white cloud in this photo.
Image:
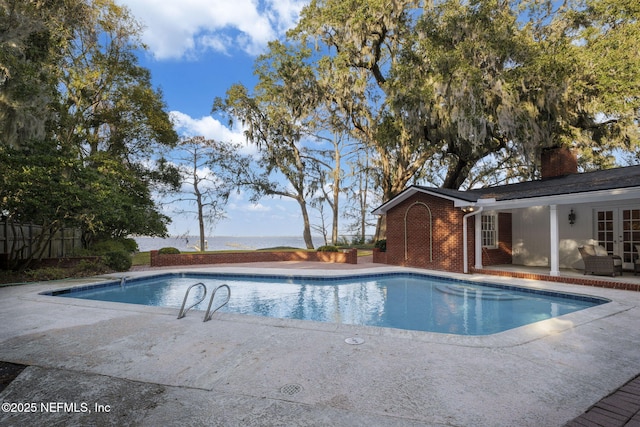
(206, 126)
(210, 128)
(178, 29)
(287, 13)
(239, 201)
(216, 43)
(258, 207)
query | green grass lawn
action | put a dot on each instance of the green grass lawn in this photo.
(141, 258)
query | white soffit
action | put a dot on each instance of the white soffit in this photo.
(381, 210)
(614, 195)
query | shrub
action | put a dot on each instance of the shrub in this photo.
(169, 251)
(342, 241)
(102, 247)
(129, 244)
(328, 248)
(119, 261)
(381, 244)
(357, 240)
(86, 268)
(46, 273)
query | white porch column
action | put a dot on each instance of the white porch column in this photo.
(465, 239)
(478, 241)
(553, 235)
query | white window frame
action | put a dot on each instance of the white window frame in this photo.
(489, 237)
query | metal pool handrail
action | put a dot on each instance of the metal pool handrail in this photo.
(209, 313)
(183, 312)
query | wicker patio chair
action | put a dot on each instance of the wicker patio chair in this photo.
(600, 264)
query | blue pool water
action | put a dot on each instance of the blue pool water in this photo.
(394, 300)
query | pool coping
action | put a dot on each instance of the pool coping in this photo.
(512, 337)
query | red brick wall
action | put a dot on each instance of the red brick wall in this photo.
(379, 257)
(164, 260)
(586, 281)
(558, 161)
(446, 234)
(502, 254)
(447, 228)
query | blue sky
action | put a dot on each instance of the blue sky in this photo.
(197, 50)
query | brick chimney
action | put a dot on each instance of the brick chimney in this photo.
(558, 161)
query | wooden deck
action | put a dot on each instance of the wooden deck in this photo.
(620, 408)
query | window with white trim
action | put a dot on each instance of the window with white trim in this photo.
(489, 231)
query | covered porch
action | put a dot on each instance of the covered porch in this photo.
(546, 232)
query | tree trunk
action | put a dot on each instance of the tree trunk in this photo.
(336, 196)
(201, 227)
(381, 228)
(38, 244)
(307, 225)
(363, 201)
(456, 174)
(199, 203)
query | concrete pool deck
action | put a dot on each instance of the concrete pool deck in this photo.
(98, 363)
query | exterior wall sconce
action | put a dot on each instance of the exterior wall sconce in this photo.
(572, 217)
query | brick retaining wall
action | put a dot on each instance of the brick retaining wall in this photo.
(379, 257)
(586, 281)
(165, 260)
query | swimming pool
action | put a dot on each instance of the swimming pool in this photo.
(408, 301)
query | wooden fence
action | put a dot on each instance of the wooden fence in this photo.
(20, 241)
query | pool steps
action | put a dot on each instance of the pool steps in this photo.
(208, 314)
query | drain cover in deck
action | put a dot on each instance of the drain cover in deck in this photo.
(291, 389)
(354, 340)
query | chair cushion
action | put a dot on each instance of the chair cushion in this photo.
(601, 251)
(617, 261)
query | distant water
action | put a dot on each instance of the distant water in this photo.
(219, 243)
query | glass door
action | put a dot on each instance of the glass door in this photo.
(618, 231)
(630, 236)
(607, 230)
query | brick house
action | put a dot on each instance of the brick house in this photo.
(534, 223)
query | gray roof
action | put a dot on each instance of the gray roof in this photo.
(579, 183)
(607, 179)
